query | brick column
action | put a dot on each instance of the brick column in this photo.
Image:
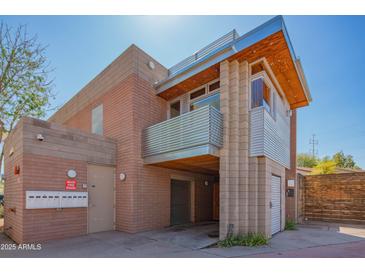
(234, 80)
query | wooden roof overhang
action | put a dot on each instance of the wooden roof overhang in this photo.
(269, 41)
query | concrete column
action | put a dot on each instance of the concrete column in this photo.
(234, 192)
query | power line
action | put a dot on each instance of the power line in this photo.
(314, 145)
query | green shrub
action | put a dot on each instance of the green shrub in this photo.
(250, 239)
(290, 225)
(1, 211)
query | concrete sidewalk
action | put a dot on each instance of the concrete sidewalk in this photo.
(305, 237)
(310, 240)
(347, 250)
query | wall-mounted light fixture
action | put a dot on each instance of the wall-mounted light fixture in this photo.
(122, 176)
(71, 173)
(40, 137)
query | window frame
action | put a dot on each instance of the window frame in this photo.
(185, 98)
(102, 119)
(169, 107)
(205, 95)
(273, 92)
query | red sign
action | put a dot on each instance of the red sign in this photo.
(70, 184)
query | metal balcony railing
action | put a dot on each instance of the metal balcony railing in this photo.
(222, 41)
(203, 126)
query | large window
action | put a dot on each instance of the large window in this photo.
(206, 95)
(213, 100)
(260, 94)
(97, 120)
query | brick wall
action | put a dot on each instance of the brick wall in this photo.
(49, 173)
(13, 191)
(129, 106)
(43, 167)
(334, 197)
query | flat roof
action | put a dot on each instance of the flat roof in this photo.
(226, 47)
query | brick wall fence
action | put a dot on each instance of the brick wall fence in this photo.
(332, 197)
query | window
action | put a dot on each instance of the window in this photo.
(214, 86)
(97, 120)
(197, 93)
(260, 94)
(207, 94)
(274, 98)
(175, 109)
(213, 100)
(267, 97)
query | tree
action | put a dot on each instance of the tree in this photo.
(306, 160)
(324, 167)
(344, 161)
(25, 89)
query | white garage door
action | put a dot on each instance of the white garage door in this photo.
(275, 204)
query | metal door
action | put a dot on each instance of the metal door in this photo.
(275, 204)
(101, 198)
(180, 202)
(216, 201)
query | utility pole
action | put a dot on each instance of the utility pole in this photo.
(314, 143)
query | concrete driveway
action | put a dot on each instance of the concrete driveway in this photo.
(310, 240)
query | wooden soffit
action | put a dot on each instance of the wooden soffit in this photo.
(277, 53)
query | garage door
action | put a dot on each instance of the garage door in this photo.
(275, 204)
(180, 202)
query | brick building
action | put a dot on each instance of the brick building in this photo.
(143, 147)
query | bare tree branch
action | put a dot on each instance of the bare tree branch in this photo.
(25, 88)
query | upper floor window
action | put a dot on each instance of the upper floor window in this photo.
(175, 109)
(213, 100)
(214, 86)
(260, 94)
(197, 93)
(97, 120)
(207, 95)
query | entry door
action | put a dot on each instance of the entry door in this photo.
(101, 198)
(275, 204)
(180, 202)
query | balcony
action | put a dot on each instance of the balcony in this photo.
(198, 133)
(270, 137)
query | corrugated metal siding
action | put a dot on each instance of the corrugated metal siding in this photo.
(195, 128)
(275, 204)
(269, 137)
(257, 132)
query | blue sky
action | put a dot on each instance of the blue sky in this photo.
(331, 48)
